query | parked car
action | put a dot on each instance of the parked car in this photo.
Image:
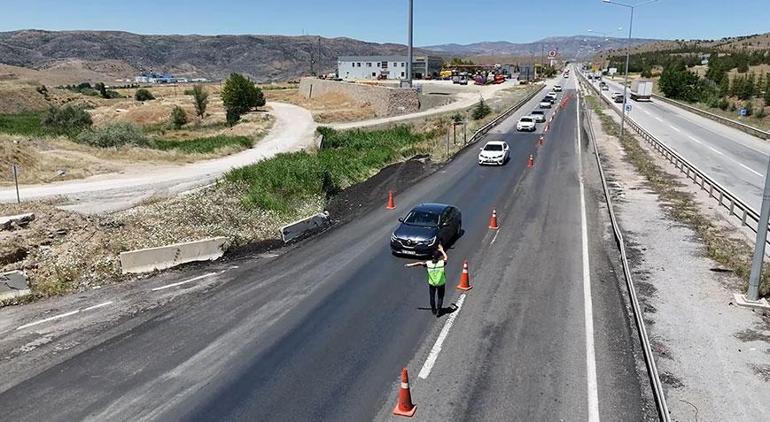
(526, 123)
(538, 115)
(494, 152)
(424, 227)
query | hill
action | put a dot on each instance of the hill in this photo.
(747, 43)
(116, 54)
(580, 46)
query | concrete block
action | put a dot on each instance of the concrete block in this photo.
(302, 227)
(13, 284)
(18, 220)
(151, 259)
(740, 300)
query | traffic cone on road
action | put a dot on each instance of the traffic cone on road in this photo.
(391, 205)
(541, 141)
(545, 129)
(493, 220)
(465, 282)
(531, 162)
(404, 406)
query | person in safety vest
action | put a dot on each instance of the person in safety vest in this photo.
(436, 278)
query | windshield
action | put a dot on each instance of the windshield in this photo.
(493, 147)
(421, 218)
(526, 119)
(538, 112)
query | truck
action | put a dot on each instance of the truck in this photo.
(641, 89)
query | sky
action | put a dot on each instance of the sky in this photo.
(436, 21)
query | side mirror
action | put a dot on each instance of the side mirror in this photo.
(400, 219)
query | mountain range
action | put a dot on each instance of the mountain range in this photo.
(91, 55)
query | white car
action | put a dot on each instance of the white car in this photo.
(557, 88)
(526, 123)
(552, 94)
(546, 103)
(494, 152)
(539, 115)
(616, 94)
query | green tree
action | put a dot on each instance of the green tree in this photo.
(481, 110)
(678, 83)
(200, 99)
(724, 85)
(239, 96)
(178, 117)
(647, 72)
(102, 90)
(67, 120)
(143, 94)
(766, 95)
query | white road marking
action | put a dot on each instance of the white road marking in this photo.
(717, 151)
(64, 315)
(495, 237)
(168, 286)
(750, 169)
(592, 384)
(696, 140)
(675, 128)
(433, 355)
(658, 118)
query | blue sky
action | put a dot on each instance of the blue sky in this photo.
(436, 21)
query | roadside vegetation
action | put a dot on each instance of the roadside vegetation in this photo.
(727, 250)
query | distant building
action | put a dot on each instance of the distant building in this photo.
(155, 78)
(386, 67)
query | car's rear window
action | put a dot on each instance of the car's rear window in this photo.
(538, 112)
(526, 119)
(422, 218)
(493, 147)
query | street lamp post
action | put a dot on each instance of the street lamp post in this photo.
(409, 54)
(628, 55)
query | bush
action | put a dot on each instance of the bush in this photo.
(143, 94)
(204, 145)
(68, 120)
(760, 114)
(178, 117)
(200, 99)
(114, 136)
(27, 123)
(239, 95)
(749, 106)
(724, 104)
(481, 110)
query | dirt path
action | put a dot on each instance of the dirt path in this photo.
(293, 130)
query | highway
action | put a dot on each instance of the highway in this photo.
(734, 159)
(321, 331)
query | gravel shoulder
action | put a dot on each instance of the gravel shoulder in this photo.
(713, 357)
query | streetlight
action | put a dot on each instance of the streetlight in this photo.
(628, 54)
(409, 57)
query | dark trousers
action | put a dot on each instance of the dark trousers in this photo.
(433, 290)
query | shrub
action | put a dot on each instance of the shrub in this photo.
(178, 117)
(724, 104)
(760, 113)
(204, 145)
(143, 94)
(749, 106)
(200, 99)
(239, 95)
(68, 120)
(481, 110)
(114, 136)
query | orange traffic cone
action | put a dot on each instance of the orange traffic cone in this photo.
(391, 205)
(545, 129)
(404, 406)
(531, 162)
(465, 282)
(493, 220)
(541, 141)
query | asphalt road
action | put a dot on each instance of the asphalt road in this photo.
(321, 332)
(735, 159)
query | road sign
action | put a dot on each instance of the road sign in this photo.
(628, 108)
(552, 53)
(613, 70)
(743, 112)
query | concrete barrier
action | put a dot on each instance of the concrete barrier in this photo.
(18, 220)
(151, 259)
(13, 284)
(305, 226)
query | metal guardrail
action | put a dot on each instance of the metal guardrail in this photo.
(649, 358)
(480, 132)
(751, 130)
(724, 197)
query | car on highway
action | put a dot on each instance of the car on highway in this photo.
(494, 152)
(546, 103)
(557, 88)
(539, 115)
(619, 99)
(552, 94)
(526, 123)
(616, 94)
(424, 227)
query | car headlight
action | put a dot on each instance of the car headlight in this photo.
(393, 237)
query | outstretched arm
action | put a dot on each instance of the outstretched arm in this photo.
(414, 264)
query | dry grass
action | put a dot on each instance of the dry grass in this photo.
(329, 108)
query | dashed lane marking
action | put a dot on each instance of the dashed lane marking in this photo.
(434, 352)
(694, 139)
(750, 169)
(168, 286)
(717, 151)
(495, 237)
(64, 315)
(675, 128)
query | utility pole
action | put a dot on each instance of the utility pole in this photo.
(16, 182)
(319, 54)
(759, 246)
(409, 54)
